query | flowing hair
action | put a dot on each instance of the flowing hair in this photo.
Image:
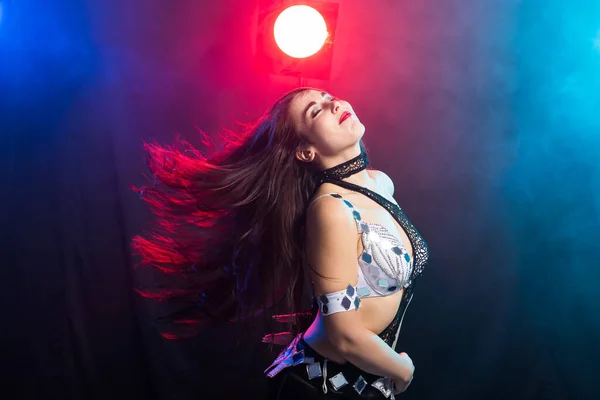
(230, 224)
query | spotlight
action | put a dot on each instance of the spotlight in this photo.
(300, 31)
(296, 37)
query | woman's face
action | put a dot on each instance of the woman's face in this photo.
(329, 125)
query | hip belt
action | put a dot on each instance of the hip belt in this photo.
(339, 378)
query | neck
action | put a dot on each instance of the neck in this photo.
(353, 170)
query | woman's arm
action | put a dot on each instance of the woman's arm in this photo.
(370, 353)
(331, 251)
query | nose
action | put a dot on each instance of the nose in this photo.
(335, 106)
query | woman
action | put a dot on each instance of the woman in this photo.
(293, 191)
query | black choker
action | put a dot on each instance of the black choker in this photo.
(345, 169)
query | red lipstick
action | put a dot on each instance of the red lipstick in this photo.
(345, 116)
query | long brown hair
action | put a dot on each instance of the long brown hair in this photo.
(231, 224)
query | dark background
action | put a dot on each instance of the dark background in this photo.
(485, 113)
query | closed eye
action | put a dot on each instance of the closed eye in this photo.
(316, 112)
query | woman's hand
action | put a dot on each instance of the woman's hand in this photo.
(401, 384)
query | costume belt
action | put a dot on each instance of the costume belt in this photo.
(298, 352)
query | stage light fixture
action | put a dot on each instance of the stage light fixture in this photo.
(300, 31)
(296, 38)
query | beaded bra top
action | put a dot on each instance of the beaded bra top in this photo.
(385, 265)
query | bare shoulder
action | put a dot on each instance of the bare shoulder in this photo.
(331, 238)
(383, 179)
(328, 213)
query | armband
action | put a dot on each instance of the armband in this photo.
(344, 300)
